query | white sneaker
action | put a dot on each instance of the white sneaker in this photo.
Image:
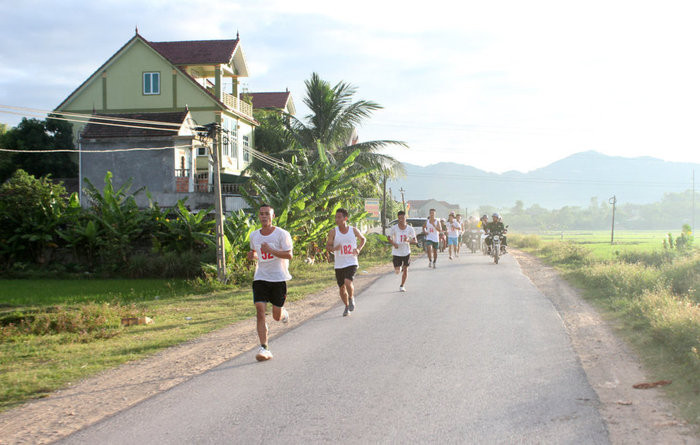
(346, 312)
(351, 304)
(430, 264)
(263, 354)
(434, 265)
(450, 256)
(402, 288)
(285, 316)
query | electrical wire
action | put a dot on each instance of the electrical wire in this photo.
(109, 118)
(84, 151)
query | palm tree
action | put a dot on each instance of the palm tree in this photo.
(330, 127)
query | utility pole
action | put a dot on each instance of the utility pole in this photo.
(212, 132)
(384, 206)
(613, 201)
(403, 201)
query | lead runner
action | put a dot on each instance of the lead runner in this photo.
(271, 247)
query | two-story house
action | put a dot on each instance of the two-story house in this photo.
(191, 82)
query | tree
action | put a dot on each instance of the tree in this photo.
(31, 209)
(34, 134)
(333, 121)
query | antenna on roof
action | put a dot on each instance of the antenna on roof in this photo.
(137, 29)
(237, 36)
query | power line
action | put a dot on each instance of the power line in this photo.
(84, 151)
(103, 117)
(91, 121)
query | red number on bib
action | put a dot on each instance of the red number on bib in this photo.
(266, 256)
(347, 249)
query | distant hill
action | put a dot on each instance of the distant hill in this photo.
(571, 181)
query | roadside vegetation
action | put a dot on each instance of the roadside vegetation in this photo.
(69, 273)
(649, 291)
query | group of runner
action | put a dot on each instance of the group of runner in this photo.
(271, 248)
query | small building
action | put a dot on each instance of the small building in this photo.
(276, 101)
(420, 208)
(161, 160)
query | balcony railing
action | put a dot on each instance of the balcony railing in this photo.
(237, 104)
(202, 185)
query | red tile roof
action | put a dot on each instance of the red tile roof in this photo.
(94, 130)
(195, 52)
(270, 100)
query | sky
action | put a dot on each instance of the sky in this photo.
(503, 85)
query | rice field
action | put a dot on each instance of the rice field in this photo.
(624, 241)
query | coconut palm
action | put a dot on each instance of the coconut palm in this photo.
(331, 124)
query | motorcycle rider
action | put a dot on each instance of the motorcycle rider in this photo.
(496, 227)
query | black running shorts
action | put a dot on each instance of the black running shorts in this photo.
(346, 273)
(274, 292)
(402, 260)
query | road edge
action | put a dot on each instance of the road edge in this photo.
(631, 415)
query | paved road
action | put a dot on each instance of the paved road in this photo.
(472, 353)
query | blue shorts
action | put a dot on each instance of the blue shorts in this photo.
(452, 241)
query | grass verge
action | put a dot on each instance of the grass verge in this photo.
(54, 332)
(651, 298)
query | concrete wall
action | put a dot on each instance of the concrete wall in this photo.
(154, 170)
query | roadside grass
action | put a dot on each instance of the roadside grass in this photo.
(651, 298)
(72, 330)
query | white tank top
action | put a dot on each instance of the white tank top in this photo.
(348, 242)
(431, 233)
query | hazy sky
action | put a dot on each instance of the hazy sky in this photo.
(501, 85)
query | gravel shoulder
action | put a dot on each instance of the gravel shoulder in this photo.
(633, 416)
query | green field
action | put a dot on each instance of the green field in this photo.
(599, 241)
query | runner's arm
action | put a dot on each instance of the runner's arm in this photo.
(330, 242)
(361, 240)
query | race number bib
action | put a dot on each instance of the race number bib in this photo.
(346, 249)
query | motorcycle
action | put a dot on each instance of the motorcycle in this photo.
(473, 240)
(495, 247)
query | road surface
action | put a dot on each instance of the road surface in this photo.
(472, 353)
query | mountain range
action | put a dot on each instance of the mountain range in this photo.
(571, 181)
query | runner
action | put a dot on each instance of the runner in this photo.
(345, 242)
(271, 248)
(401, 237)
(432, 230)
(453, 229)
(461, 232)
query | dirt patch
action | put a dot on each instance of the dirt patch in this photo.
(633, 416)
(88, 401)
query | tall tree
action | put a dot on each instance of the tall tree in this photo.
(332, 122)
(34, 134)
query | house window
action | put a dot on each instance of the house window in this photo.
(246, 155)
(202, 151)
(151, 83)
(233, 135)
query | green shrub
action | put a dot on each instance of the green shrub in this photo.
(672, 321)
(563, 252)
(377, 245)
(684, 277)
(655, 258)
(620, 279)
(524, 241)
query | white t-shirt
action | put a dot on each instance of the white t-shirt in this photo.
(453, 229)
(269, 267)
(402, 237)
(431, 233)
(344, 257)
